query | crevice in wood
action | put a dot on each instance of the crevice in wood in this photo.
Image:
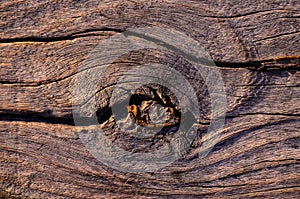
(46, 117)
(85, 33)
(30, 116)
(263, 65)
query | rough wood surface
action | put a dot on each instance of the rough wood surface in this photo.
(255, 46)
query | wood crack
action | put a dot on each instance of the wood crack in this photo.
(30, 116)
(85, 33)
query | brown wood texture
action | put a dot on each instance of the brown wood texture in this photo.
(255, 45)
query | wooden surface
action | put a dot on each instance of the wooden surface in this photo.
(255, 46)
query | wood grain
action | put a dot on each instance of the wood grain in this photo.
(255, 157)
(255, 45)
(231, 31)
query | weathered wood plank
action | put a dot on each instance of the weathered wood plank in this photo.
(247, 92)
(36, 62)
(254, 157)
(254, 44)
(240, 31)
